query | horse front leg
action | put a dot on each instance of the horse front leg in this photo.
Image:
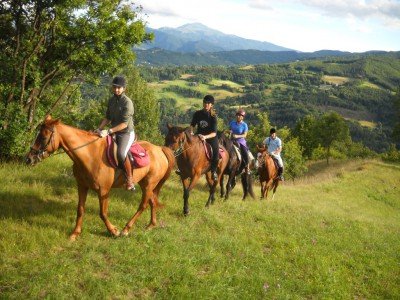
(147, 196)
(186, 191)
(263, 188)
(185, 184)
(230, 184)
(82, 195)
(103, 196)
(212, 185)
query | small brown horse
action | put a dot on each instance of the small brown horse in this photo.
(92, 170)
(234, 168)
(268, 173)
(193, 162)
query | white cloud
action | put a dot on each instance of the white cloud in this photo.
(305, 25)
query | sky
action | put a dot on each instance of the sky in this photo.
(302, 25)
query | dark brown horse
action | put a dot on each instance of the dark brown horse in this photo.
(92, 170)
(193, 162)
(268, 173)
(234, 168)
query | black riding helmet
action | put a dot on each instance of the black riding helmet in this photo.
(119, 81)
(208, 99)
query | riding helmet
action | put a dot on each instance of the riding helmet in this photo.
(119, 81)
(241, 112)
(208, 99)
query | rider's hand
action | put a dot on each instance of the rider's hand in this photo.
(103, 133)
(202, 137)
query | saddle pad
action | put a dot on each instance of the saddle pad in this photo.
(139, 154)
(208, 150)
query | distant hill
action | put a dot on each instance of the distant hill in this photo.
(162, 57)
(196, 37)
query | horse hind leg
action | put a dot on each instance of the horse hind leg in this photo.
(147, 195)
(276, 183)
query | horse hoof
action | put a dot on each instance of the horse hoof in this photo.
(72, 237)
(185, 213)
(124, 233)
(150, 226)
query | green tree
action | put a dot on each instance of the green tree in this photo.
(293, 159)
(260, 132)
(147, 109)
(331, 128)
(305, 131)
(48, 49)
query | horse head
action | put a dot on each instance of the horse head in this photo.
(177, 137)
(45, 142)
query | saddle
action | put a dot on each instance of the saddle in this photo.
(208, 150)
(138, 156)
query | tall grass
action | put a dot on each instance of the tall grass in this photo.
(333, 234)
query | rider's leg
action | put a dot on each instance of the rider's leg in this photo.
(124, 141)
(214, 160)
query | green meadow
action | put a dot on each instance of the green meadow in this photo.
(332, 234)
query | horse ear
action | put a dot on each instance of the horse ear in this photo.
(169, 126)
(47, 118)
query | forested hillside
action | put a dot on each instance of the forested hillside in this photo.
(361, 90)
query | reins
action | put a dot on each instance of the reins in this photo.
(76, 148)
(181, 150)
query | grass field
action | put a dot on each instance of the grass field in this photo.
(333, 234)
(335, 79)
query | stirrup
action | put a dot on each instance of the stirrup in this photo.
(130, 186)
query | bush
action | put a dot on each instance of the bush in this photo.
(393, 155)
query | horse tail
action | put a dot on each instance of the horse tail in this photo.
(247, 184)
(171, 163)
(250, 187)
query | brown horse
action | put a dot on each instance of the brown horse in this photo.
(193, 162)
(92, 170)
(268, 173)
(234, 168)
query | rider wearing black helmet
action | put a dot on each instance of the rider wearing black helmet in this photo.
(206, 122)
(120, 115)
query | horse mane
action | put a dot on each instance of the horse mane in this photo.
(224, 140)
(53, 122)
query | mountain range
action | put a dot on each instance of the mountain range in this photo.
(198, 38)
(196, 44)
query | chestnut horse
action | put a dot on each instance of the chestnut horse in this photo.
(233, 169)
(92, 170)
(193, 162)
(268, 173)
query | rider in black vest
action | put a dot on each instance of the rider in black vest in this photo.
(206, 122)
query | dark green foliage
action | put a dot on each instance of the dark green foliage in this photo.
(331, 128)
(48, 50)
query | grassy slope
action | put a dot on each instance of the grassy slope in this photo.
(334, 235)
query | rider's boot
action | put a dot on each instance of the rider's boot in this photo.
(280, 173)
(130, 186)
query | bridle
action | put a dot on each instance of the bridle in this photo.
(39, 153)
(181, 149)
